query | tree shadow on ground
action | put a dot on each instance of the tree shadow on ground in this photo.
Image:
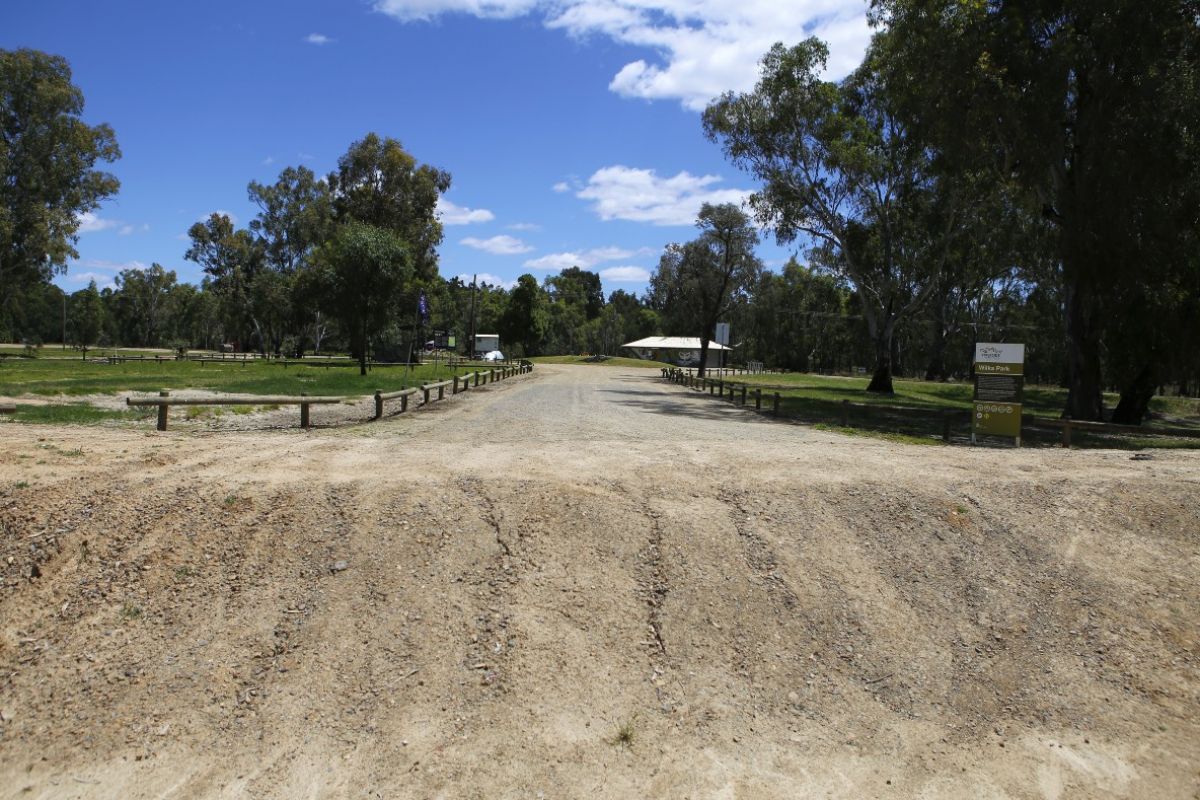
(686, 406)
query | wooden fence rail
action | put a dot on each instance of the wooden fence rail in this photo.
(163, 401)
(8, 409)
(401, 395)
(948, 417)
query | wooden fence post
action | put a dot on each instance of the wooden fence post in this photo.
(303, 412)
(744, 387)
(476, 378)
(946, 426)
(758, 399)
(378, 404)
(162, 411)
(442, 392)
(777, 404)
(403, 404)
(1066, 436)
(845, 413)
(425, 389)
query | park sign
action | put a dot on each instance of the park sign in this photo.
(999, 381)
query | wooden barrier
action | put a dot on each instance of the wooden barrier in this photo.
(401, 395)
(441, 390)
(164, 401)
(1067, 424)
(8, 409)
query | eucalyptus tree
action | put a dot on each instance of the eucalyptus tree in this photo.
(379, 183)
(697, 282)
(48, 179)
(524, 323)
(233, 259)
(841, 172)
(1090, 107)
(357, 278)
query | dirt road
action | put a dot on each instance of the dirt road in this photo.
(587, 583)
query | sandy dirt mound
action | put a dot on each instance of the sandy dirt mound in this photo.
(587, 583)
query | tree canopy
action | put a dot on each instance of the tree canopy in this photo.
(48, 179)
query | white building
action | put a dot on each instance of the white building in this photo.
(682, 351)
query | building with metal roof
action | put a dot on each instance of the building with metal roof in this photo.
(682, 351)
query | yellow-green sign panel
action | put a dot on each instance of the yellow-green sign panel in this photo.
(998, 419)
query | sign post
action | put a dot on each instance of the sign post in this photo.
(999, 383)
(722, 337)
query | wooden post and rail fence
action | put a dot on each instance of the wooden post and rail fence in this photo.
(459, 383)
(948, 417)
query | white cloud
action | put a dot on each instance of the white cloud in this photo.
(502, 245)
(640, 195)
(700, 48)
(126, 230)
(102, 271)
(268, 161)
(625, 274)
(317, 39)
(524, 226)
(90, 223)
(487, 277)
(452, 214)
(561, 187)
(423, 10)
(232, 217)
(585, 259)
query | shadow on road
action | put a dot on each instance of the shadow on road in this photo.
(660, 403)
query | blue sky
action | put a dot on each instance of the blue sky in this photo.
(571, 128)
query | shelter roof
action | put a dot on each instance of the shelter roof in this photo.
(673, 343)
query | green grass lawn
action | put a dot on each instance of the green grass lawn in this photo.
(44, 376)
(616, 361)
(818, 399)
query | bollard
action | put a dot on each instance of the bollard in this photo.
(162, 411)
(777, 404)
(378, 404)
(845, 413)
(303, 412)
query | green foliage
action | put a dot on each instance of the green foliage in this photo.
(840, 169)
(141, 307)
(525, 321)
(378, 183)
(233, 260)
(360, 276)
(1089, 108)
(696, 283)
(86, 319)
(47, 175)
